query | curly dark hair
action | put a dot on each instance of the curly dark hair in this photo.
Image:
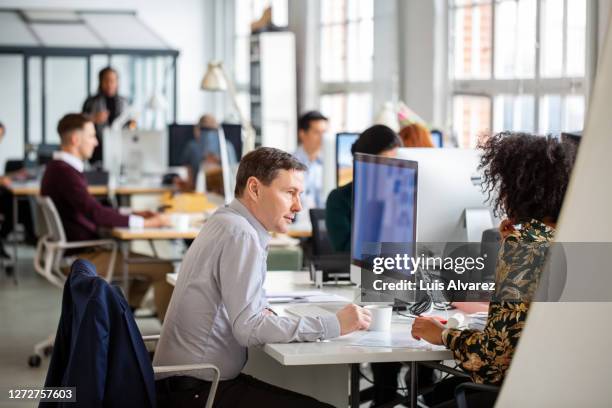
(526, 176)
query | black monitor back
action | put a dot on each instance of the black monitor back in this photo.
(178, 137)
(233, 137)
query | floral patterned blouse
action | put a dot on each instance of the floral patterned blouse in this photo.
(486, 355)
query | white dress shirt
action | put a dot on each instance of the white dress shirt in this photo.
(218, 308)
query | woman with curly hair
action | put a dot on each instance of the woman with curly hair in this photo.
(526, 178)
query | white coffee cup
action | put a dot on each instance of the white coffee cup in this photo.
(181, 221)
(381, 317)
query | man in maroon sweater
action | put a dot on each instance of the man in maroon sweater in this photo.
(82, 214)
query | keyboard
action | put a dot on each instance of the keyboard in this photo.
(309, 311)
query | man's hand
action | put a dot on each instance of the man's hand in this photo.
(100, 117)
(353, 317)
(428, 329)
(157, 221)
(146, 214)
(5, 181)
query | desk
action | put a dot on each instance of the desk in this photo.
(126, 235)
(22, 190)
(321, 369)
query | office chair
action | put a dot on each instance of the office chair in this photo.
(335, 265)
(461, 396)
(7, 265)
(50, 251)
(117, 337)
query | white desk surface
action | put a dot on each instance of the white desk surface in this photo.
(339, 350)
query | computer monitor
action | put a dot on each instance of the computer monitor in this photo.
(44, 153)
(384, 208)
(437, 137)
(229, 165)
(233, 137)
(142, 152)
(178, 137)
(452, 205)
(344, 157)
(218, 165)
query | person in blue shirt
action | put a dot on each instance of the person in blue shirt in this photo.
(311, 128)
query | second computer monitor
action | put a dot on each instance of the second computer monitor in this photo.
(385, 209)
(449, 191)
(344, 158)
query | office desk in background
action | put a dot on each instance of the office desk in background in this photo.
(125, 236)
(24, 190)
(322, 369)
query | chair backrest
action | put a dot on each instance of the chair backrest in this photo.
(321, 245)
(53, 222)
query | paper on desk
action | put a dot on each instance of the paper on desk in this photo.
(294, 294)
(326, 298)
(392, 340)
(304, 297)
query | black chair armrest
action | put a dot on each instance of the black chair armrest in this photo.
(460, 392)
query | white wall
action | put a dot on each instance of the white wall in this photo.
(184, 24)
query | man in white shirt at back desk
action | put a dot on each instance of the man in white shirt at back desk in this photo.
(219, 308)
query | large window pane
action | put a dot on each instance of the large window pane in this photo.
(350, 112)
(359, 111)
(333, 11)
(472, 41)
(576, 37)
(333, 53)
(333, 106)
(360, 9)
(515, 38)
(514, 113)
(551, 59)
(471, 119)
(550, 114)
(574, 113)
(360, 50)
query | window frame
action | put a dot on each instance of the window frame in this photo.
(537, 86)
(347, 86)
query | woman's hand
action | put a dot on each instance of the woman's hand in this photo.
(428, 329)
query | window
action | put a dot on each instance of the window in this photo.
(346, 60)
(502, 80)
(247, 11)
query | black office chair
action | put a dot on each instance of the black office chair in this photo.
(461, 394)
(335, 265)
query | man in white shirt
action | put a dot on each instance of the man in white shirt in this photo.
(219, 307)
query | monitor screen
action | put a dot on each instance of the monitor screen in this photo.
(344, 158)
(437, 138)
(384, 207)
